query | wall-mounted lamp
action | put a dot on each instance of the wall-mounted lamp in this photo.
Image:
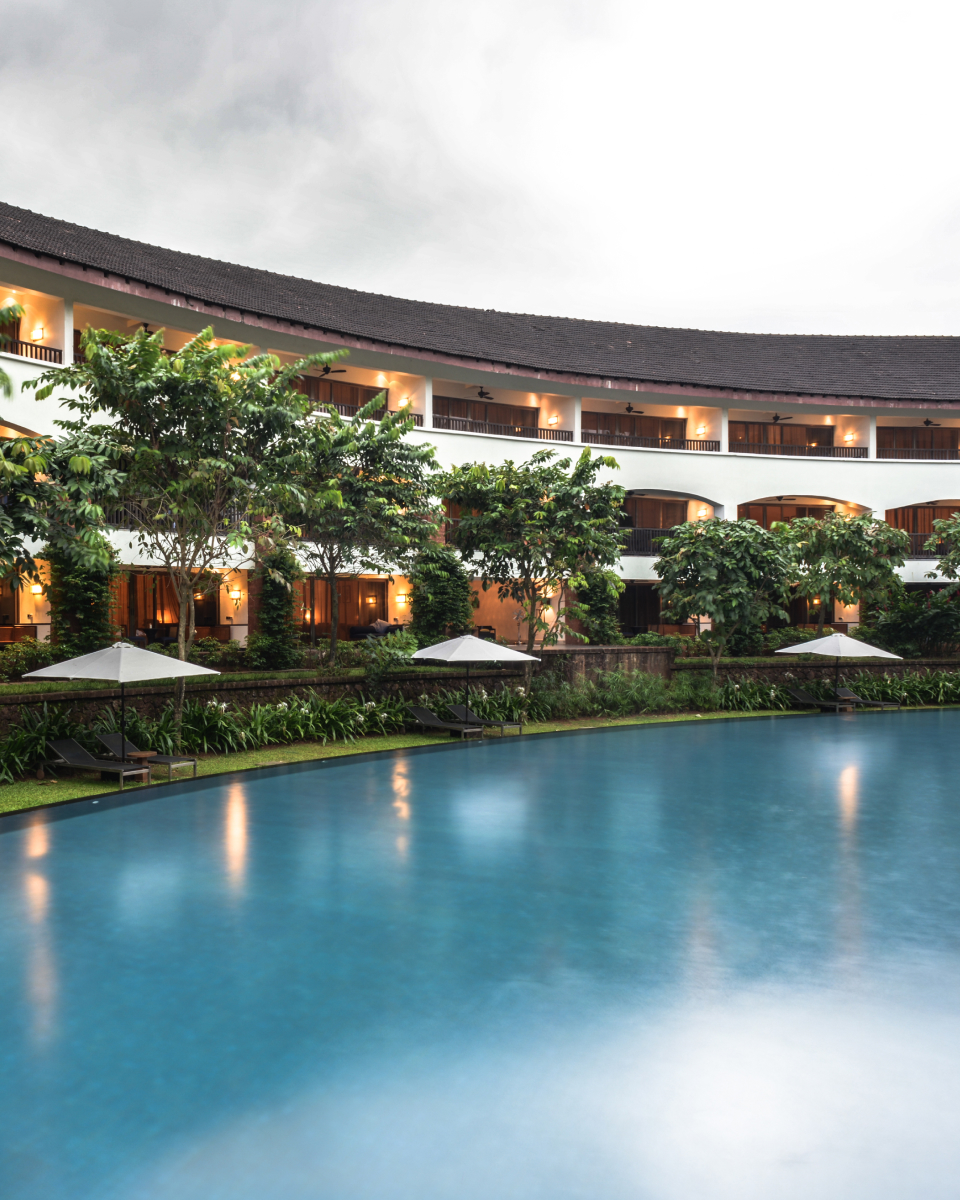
(235, 376)
(235, 594)
(36, 589)
(38, 334)
(403, 401)
(553, 419)
(401, 597)
(702, 512)
(371, 599)
(701, 430)
(849, 437)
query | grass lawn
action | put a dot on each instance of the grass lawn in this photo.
(29, 793)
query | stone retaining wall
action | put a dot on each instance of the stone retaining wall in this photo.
(150, 699)
(787, 672)
(576, 663)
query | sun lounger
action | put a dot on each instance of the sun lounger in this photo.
(462, 713)
(852, 698)
(115, 745)
(803, 697)
(430, 720)
(69, 753)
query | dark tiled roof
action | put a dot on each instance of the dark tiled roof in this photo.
(891, 368)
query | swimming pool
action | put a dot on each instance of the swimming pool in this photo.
(712, 960)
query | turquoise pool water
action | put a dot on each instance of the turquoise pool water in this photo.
(704, 961)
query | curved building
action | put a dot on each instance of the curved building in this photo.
(701, 423)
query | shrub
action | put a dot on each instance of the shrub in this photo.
(441, 598)
(17, 658)
(391, 653)
(220, 656)
(918, 625)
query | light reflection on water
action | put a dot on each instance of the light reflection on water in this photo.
(690, 962)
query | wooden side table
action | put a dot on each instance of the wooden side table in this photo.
(143, 756)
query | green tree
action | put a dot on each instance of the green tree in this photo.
(277, 645)
(845, 559)
(8, 314)
(81, 595)
(735, 573)
(598, 597)
(945, 542)
(53, 494)
(209, 440)
(529, 529)
(386, 483)
(442, 601)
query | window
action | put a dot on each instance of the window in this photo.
(766, 514)
(486, 412)
(649, 513)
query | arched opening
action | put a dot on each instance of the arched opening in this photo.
(768, 509)
(650, 514)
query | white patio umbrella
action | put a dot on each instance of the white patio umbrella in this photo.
(469, 649)
(121, 663)
(838, 646)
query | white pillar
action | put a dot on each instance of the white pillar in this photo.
(67, 332)
(577, 409)
(872, 436)
(724, 430)
(428, 403)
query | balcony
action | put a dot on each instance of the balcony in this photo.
(31, 350)
(781, 450)
(917, 452)
(593, 438)
(917, 543)
(351, 410)
(643, 542)
(466, 425)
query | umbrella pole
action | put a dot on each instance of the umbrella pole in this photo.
(466, 695)
(123, 725)
(836, 677)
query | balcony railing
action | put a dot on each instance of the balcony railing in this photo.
(592, 438)
(31, 350)
(912, 452)
(644, 541)
(799, 451)
(351, 410)
(465, 425)
(918, 542)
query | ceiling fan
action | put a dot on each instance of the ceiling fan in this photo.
(483, 395)
(631, 409)
(777, 418)
(326, 369)
(928, 423)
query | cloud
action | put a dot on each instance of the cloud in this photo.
(729, 166)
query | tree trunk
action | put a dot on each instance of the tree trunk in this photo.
(334, 616)
(824, 601)
(531, 595)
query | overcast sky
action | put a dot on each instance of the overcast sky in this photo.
(751, 165)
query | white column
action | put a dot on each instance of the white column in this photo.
(577, 409)
(67, 332)
(428, 403)
(724, 430)
(872, 436)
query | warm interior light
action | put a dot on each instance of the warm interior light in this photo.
(848, 437)
(404, 401)
(9, 300)
(38, 334)
(401, 597)
(553, 419)
(701, 512)
(371, 599)
(381, 379)
(235, 376)
(37, 589)
(236, 594)
(701, 430)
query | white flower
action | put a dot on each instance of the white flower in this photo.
(521, 691)
(370, 704)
